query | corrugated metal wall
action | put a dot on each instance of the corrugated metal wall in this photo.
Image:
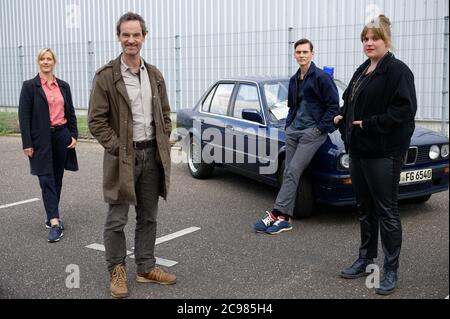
(217, 38)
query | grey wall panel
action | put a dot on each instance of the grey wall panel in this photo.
(217, 39)
(187, 17)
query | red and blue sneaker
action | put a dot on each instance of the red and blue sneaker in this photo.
(280, 225)
(262, 225)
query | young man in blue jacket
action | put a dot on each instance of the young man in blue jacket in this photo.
(313, 102)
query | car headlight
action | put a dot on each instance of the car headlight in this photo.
(444, 151)
(435, 152)
(344, 161)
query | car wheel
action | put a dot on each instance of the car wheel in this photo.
(304, 202)
(419, 200)
(197, 167)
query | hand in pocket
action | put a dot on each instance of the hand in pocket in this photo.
(73, 143)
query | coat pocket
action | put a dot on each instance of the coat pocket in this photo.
(111, 176)
(370, 146)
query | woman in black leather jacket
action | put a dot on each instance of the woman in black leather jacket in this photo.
(376, 123)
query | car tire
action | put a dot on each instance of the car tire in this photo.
(199, 169)
(419, 200)
(305, 201)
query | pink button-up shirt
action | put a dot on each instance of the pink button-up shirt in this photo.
(55, 102)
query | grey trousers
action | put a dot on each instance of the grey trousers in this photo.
(147, 180)
(301, 146)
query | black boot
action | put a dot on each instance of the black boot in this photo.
(388, 284)
(358, 269)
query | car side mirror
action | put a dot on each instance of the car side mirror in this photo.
(252, 115)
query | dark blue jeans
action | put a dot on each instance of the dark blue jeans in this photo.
(51, 184)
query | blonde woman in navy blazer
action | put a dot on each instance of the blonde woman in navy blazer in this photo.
(49, 135)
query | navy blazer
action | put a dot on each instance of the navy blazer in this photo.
(321, 95)
(34, 119)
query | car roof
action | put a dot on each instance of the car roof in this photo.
(257, 79)
(265, 79)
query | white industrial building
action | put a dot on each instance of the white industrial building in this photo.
(195, 42)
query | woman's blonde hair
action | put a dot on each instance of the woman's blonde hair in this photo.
(381, 28)
(44, 51)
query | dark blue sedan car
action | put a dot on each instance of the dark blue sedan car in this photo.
(239, 124)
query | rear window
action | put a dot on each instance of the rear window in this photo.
(207, 103)
(221, 99)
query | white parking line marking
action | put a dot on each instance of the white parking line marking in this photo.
(165, 262)
(100, 247)
(162, 261)
(159, 261)
(20, 203)
(176, 235)
(97, 247)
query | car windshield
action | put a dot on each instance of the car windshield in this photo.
(277, 99)
(276, 96)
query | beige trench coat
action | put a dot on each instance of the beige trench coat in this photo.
(110, 122)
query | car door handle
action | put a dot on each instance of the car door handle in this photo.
(229, 127)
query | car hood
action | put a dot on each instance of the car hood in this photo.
(423, 136)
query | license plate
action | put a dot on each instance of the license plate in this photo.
(416, 176)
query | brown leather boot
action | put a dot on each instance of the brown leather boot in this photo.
(158, 276)
(118, 282)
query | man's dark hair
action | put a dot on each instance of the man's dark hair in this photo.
(304, 41)
(130, 16)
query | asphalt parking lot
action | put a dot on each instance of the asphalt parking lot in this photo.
(218, 255)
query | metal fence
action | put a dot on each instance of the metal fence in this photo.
(192, 63)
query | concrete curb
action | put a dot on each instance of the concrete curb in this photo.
(174, 145)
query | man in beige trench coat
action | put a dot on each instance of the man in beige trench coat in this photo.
(129, 115)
